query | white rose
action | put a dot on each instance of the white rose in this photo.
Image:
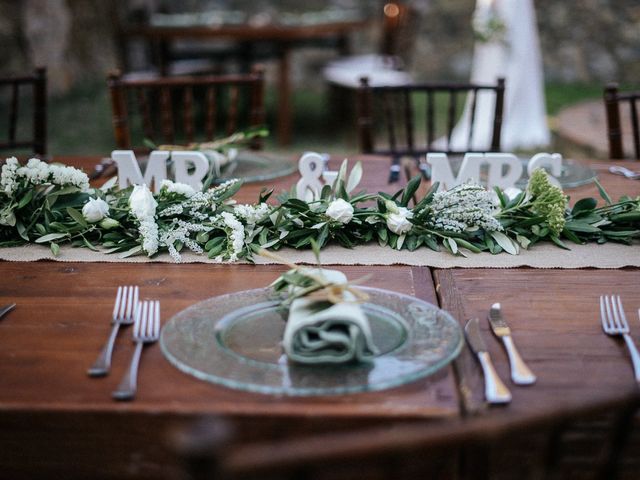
(399, 222)
(340, 210)
(95, 210)
(142, 203)
(179, 188)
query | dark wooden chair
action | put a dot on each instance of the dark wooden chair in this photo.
(588, 443)
(181, 110)
(410, 120)
(36, 84)
(613, 99)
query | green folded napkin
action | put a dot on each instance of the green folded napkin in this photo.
(319, 331)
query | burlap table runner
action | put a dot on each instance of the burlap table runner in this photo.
(609, 255)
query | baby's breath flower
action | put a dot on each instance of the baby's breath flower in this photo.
(463, 208)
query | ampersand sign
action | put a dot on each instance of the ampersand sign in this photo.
(310, 165)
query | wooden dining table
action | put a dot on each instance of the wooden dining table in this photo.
(57, 422)
(284, 37)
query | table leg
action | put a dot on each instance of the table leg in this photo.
(284, 95)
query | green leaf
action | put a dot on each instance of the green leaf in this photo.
(523, 241)
(26, 198)
(581, 227)
(571, 236)
(626, 217)
(51, 236)
(132, 252)
(231, 191)
(324, 234)
(501, 197)
(558, 242)
(468, 245)
(77, 216)
(583, 205)
(505, 242)
(410, 190)
(354, 177)
(55, 249)
(88, 244)
(603, 193)
(451, 243)
(215, 242)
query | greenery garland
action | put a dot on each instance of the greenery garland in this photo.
(54, 204)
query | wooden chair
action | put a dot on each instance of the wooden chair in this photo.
(169, 108)
(613, 98)
(482, 447)
(396, 109)
(37, 83)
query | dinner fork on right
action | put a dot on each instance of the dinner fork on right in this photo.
(614, 322)
(146, 329)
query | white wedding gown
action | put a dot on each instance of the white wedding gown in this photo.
(519, 61)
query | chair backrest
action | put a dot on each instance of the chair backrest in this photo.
(613, 98)
(399, 29)
(36, 84)
(412, 114)
(471, 448)
(181, 110)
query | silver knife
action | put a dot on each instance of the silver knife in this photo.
(494, 390)
(520, 373)
(6, 309)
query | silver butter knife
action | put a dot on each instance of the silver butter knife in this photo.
(520, 373)
(6, 309)
(494, 390)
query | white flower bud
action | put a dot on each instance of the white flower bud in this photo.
(399, 222)
(142, 203)
(340, 210)
(95, 210)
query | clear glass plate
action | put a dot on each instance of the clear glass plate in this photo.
(235, 340)
(253, 166)
(572, 175)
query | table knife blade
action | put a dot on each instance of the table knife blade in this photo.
(494, 390)
(6, 309)
(521, 374)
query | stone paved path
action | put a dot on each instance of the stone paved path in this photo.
(584, 125)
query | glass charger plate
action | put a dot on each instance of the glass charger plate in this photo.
(235, 340)
(573, 174)
(256, 167)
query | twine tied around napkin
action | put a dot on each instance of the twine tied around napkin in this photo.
(326, 323)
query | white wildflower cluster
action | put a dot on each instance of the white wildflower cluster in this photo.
(235, 236)
(181, 231)
(176, 187)
(466, 207)
(38, 172)
(252, 214)
(143, 207)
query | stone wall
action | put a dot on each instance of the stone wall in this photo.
(582, 40)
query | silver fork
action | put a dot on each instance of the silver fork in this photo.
(614, 322)
(123, 312)
(146, 329)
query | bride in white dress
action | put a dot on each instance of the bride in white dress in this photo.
(510, 49)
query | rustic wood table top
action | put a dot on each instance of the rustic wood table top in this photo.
(47, 401)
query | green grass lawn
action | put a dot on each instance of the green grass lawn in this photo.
(80, 121)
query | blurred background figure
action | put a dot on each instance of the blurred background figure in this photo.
(507, 45)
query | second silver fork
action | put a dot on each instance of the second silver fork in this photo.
(614, 322)
(146, 329)
(123, 311)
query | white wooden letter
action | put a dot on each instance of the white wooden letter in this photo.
(441, 169)
(129, 172)
(553, 161)
(497, 162)
(182, 161)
